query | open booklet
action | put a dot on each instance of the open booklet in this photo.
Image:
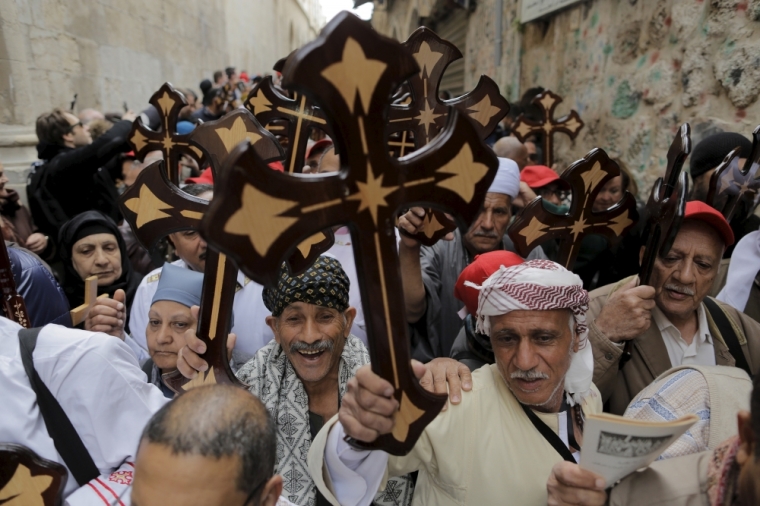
(614, 447)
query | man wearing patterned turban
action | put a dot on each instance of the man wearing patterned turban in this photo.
(301, 376)
(524, 413)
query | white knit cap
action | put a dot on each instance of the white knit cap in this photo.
(507, 180)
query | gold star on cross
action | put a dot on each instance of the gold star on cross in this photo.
(168, 143)
(578, 227)
(372, 193)
(427, 117)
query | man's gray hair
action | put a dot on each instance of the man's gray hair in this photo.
(219, 421)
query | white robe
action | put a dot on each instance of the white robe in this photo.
(102, 390)
(483, 451)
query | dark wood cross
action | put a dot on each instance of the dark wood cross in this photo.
(548, 102)
(351, 71)
(426, 115)
(154, 208)
(586, 177)
(28, 479)
(734, 190)
(13, 303)
(297, 115)
(664, 212)
(169, 102)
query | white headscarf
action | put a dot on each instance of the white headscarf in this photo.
(744, 266)
(541, 285)
(507, 180)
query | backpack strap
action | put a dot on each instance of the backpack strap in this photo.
(728, 333)
(59, 427)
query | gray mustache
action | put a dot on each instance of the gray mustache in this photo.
(316, 346)
(529, 375)
(680, 289)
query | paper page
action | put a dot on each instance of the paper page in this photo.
(614, 447)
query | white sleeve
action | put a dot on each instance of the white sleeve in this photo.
(139, 352)
(105, 490)
(355, 474)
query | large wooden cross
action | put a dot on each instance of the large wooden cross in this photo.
(425, 116)
(733, 189)
(664, 212)
(351, 71)
(298, 115)
(586, 177)
(548, 126)
(168, 102)
(13, 303)
(154, 208)
(27, 479)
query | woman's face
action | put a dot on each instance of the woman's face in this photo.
(610, 194)
(97, 255)
(167, 323)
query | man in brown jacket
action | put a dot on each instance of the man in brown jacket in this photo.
(670, 322)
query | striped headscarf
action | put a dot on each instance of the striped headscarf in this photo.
(541, 285)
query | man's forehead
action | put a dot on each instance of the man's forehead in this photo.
(538, 319)
(494, 199)
(697, 235)
(304, 307)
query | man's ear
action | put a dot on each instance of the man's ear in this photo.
(272, 491)
(746, 437)
(350, 314)
(272, 322)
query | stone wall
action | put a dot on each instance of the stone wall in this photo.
(115, 51)
(634, 70)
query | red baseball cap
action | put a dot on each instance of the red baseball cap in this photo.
(478, 271)
(321, 143)
(206, 177)
(696, 210)
(537, 176)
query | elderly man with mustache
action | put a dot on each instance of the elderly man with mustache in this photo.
(301, 376)
(523, 415)
(672, 322)
(430, 273)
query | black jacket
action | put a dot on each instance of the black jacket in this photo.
(73, 178)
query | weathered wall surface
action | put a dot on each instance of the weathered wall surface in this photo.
(115, 51)
(634, 70)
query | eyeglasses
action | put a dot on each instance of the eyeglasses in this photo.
(72, 127)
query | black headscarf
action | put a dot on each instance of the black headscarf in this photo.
(79, 227)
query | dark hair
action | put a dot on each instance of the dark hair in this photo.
(195, 189)
(218, 75)
(229, 71)
(219, 421)
(52, 126)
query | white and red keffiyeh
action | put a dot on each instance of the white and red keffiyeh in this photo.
(541, 285)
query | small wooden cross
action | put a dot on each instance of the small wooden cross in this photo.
(548, 102)
(79, 314)
(734, 190)
(28, 479)
(426, 114)
(169, 102)
(298, 115)
(586, 177)
(351, 70)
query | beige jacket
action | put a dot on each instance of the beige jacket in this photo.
(674, 482)
(650, 357)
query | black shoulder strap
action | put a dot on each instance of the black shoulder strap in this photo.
(59, 427)
(549, 435)
(729, 335)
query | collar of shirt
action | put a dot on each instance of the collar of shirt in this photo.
(672, 336)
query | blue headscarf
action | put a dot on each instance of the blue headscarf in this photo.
(179, 285)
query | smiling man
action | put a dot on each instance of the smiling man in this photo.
(672, 322)
(522, 416)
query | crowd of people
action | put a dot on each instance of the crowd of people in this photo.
(524, 348)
